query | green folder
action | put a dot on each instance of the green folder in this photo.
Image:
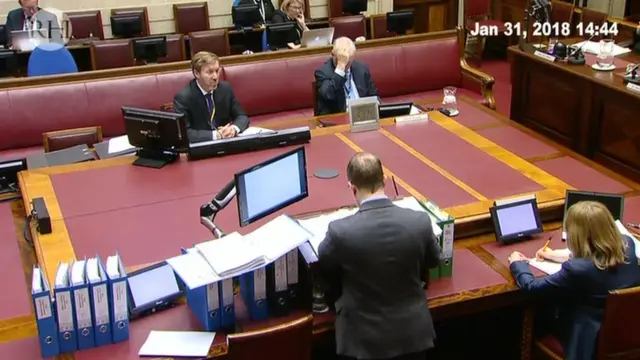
(446, 223)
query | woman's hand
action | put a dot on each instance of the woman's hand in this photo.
(517, 256)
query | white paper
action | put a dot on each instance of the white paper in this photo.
(113, 267)
(277, 237)
(118, 144)
(414, 110)
(593, 47)
(546, 266)
(62, 276)
(413, 204)
(177, 343)
(231, 255)
(36, 281)
(255, 131)
(319, 225)
(92, 270)
(77, 273)
(623, 230)
(193, 269)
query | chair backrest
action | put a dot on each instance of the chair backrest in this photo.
(350, 26)
(191, 17)
(597, 18)
(618, 339)
(561, 12)
(86, 24)
(290, 341)
(111, 54)
(51, 59)
(477, 9)
(63, 139)
(215, 41)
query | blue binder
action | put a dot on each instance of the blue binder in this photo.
(228, 314)
(277, 287)
(99, 295)
(204, 302)
(253, 288)
(65, 315)
(82, 305)
(45, 318)
(118, 307)
(293, 278)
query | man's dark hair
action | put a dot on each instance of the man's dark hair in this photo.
(364, 171)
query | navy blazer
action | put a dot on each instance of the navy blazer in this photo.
(580, 291)
(330, 86)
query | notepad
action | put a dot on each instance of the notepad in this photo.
(546, 266)
(177, 343)
(119, 144)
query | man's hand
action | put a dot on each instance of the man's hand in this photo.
(343, 59)
(517, 256)
(227, 131)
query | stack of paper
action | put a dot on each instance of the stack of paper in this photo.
(178, 344)
(623, 230)
(193, 269)
(278, 237)
(319, 225)
(231, 255)
(546, 266)
(413, 204)
(593, 47)
(119, 144)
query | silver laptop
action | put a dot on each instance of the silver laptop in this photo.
(317, 37)
(27, 40)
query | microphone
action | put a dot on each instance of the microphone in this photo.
(220, 201)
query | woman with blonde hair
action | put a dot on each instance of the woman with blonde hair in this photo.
(600, 260)
(292, 11)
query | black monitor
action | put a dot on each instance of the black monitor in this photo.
(394, 110)
(9, 170)
(613, 202)
(152, 289)
(279, 35)
(400, 21)
(354, 7)
(126, 25)
(516, 220)
(246, 16)
(4, 36)
(149, 49)
(8, 63)
(271, 185)
(160, 135)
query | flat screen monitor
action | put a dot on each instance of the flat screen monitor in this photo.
(513, 221)
(245, 16)
(8, 63)
(160, 135)
(126, 25)
(149, 49)
(272, 185)
(153, 288)
(4, 36)
(394, 110)
(399, 22)
(613, 202)
(354, 7)
(279, 35)
(9, 170)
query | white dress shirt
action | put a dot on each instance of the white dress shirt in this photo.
(205, 93)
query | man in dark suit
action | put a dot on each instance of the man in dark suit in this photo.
(210, 106)
(379, 258)
(341, 78)
(31, 17)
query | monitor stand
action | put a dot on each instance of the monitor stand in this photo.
(155, 159)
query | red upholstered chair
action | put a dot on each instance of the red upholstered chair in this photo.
(349, 26)
(111, 54)
(561, 12)
(477, 13)
(175, 49)
(290, 341)
(135, 11)
(62, 139)
(86, 24)
(378, 24)
(314, 92)
(596, 18)
(191, 17)
(617, 339)
(215, 41)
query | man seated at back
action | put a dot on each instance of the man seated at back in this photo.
(210, 107)
(342, 78)
(379, 259)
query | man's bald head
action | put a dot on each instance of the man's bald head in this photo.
(365, 173)
(344, 44)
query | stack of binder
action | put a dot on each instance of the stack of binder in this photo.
(265, 262)
(88, 308)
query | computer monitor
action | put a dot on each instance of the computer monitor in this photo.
(400, 21)
(515, 220)
(8, 63)
(246, 16)
(272, 185)
(126, 25)
(394, 110)
(9, 170)
(354, 7)
(4, 36)
(160, 135)
(613, 202)
(149, 49)
(279, 35)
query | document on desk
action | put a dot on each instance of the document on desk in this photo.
(623, 230)
(278, 237)
(177, 344)
(319, 225)
(255, 131)
(193, 269)
(415, 110)
(119, 144)
(413, 204)
(593, 47)
(232, 255)
(546, 266)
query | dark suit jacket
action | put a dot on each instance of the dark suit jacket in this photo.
(330, 86)
(191, 102)
(280, 17)
(268, 7)
(15, 22)
(580, 289)
(379, 257)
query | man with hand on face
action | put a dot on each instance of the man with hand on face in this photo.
(379, 259)
(342, 78)
(211, 109)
